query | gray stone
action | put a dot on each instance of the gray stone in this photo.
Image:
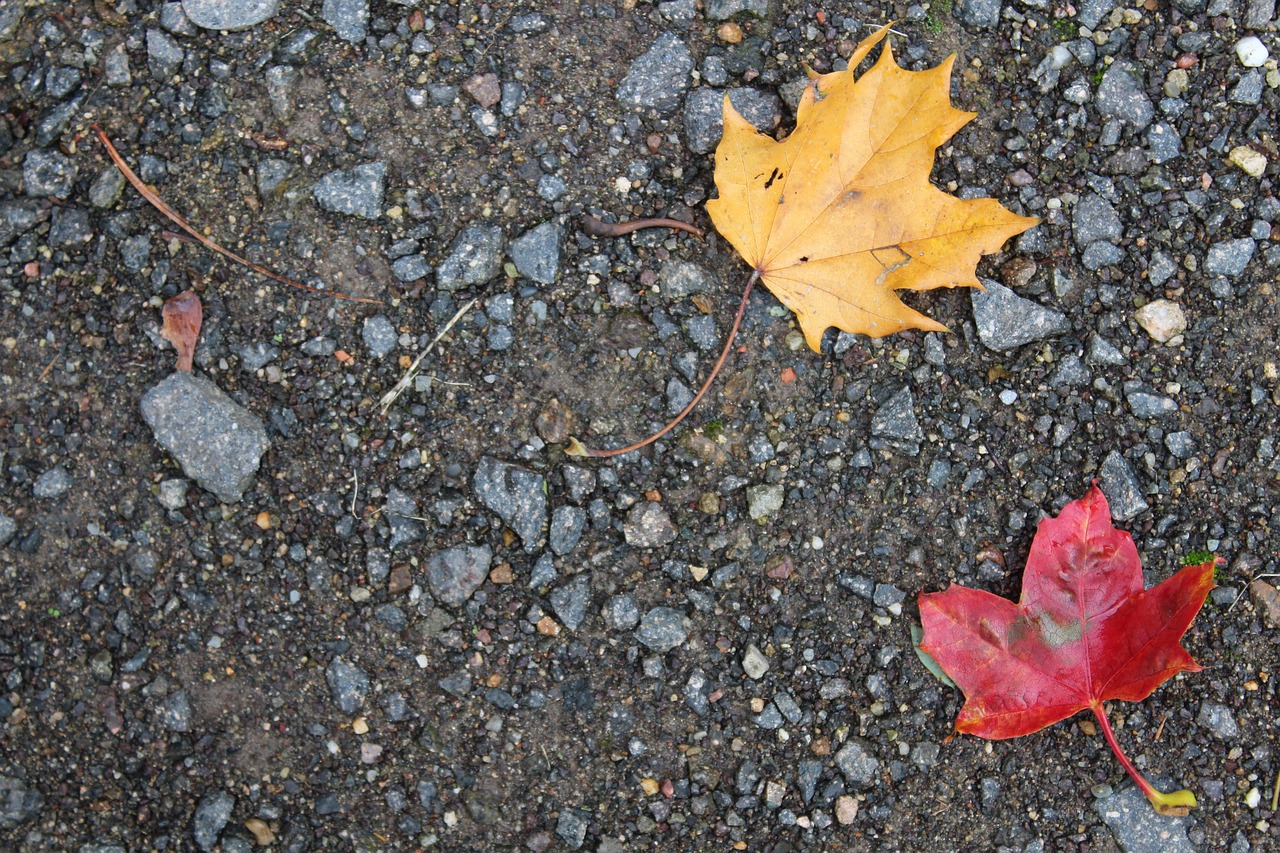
(1163, 142)
(53, 483)
(570, 602)
(271, 174)
(474, 258)
(455, 573)
(536, 253)
(678, 279)
(255, 356)
(1249, 90)
(1180, 444)
(978, 13)
(720, 10)
(658, 78)
(1006, 321)
(571, 827)
(648, 526)
(1145, 403)
(754, 663)
(175, 712)
(1138, 828)
(858, 764)
(1071, 371)
(763, 501)
(544, 572)
(348, 685)
(663, 628)
(349, 18)
(567, 525)
(47, 173)
(280, 80)
(678, 396)
(230, 15)
(1101, 254)
(69, 228)
(621, 612)
(704, 114)
(8, 529)
(401, 513)
(1219, 720)
(1093, 11)
(411, 268)
(1120, 485)
(517, 495)
(211, 818)
(217, 443)
(53, 122)
(1229, 257)
(532, 23)
(896, 418)
(117, 67)
(1121, 95)
(551, 187)
(1101, 351)
(1160, 269)
(1094, 219)
(379, 335)
(135, 252)
(354, 192)
(1259, 13)
(164, 55)
(18, 802)
(10, 17)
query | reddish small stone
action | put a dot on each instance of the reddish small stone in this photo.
(400, 579)
(788, 376)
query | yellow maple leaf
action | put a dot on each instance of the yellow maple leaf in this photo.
(841, 214)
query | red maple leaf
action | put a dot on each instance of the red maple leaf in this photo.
(1084, 631)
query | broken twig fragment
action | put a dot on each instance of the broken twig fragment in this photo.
(177, 219)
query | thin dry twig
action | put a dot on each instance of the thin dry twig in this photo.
(176, 218)
(1275, 792)
(390, 397)
(599, 228)
(48, 367)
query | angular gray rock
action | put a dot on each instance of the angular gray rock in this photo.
(211, 817)
(1121, 486)
(663, 628)
(401, 512)
(1138, 828)
(570, 601)
(648, 525)
(229, 15)
(658, 78)
(348, 685)
(18, 802)
(349, 18)
(379, 335)
(1006, 321)
(536, 253)
(455, 573)
(517, 495)
(704, 114)
(567, 526)
(218, 443)
(720, 10)
(354, 192)
(1121, 95)
(474, 258)
(8, 529)
(1094, 219)
(1230, 257)
(53, 483)
(679, 278)
(47, 173)
(896, 418)
(1219, 720)
(978, 13)
(858, 764)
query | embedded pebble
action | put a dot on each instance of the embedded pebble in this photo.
(475, 257)
(229, 15)
(517, 495)
(662, 629)
(379, 335)
(53, 483)
(658, 78)
(536, 253)
(1162, 319)
(1251, 52)
(648, 526)
(454, 574)
(1007, 321)
(348, 685)
(354, 192)
(211, 817)
(570, 602)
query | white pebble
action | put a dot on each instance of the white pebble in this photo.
(1007, 396)
(1251, 51)
(1252, 798)
(1162, 320)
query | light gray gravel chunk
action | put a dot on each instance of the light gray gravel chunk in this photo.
(164, 55)
(1218, 719)
(1120, 485)
(704, 114)
(720, 10)
(572, 829)
(1093, 11)
(663, 628)
(474, 258)
(348, 685)
(679, 278)
(1006, 321)
(354, 192)
(455, 573)
(8, 529)
(754, 663)
(1138, 828)
(1230, 257)
(349, 18)
(648, 526)
(211, 818)
(858, 764)
(536, 253)
(621, 612)
(18, 802)
(401, 512)
(1092, 219)
(379, 335)
(47, 172)
(763, 501)
(517, 495)
(567, 525)
(1121, 95)
(230, 15)
(570, 601)
(658, 78)
(218, 443)
(978, 13)
(175, 712)
(1145, 403)
(896, 418)
(53, 483)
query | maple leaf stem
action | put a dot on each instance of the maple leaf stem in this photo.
(1175, 804)
(577, 449)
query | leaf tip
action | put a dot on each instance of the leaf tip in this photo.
(576, 448)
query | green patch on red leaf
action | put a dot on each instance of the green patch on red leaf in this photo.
(1085, 631)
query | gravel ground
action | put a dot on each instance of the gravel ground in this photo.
(430, 628)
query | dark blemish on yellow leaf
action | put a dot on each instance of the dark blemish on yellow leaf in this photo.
(773, 177)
